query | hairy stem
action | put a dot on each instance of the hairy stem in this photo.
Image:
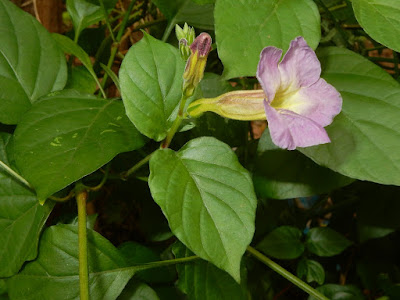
(283, 272)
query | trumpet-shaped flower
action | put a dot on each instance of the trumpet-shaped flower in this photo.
(297, 103)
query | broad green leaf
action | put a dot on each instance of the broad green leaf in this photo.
(31, 65)
(202, 280)
(281, 174)
(283, 242)
(208, 199)
(135, 290)
(198, 14)
(244, 28)
(68, 46)
(87, 12)
(366, 133)
(380, 19)
(56, 270)
(151, 83)
(324, 241)
(67, 136)
(340, 292)
(81, 80)
(311, 270)
(21, 219)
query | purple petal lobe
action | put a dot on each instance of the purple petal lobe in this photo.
(300, 66)
(290, 130)
(321, 102)
(267, 71)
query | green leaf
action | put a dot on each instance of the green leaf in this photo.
(208, 199)
(151, 83)
(135, 290)
(56, 270)
(380, 19)
(21, 219)
(281, 174)
(81, 80)
(31, 65)
(87, 12)
(67, 136)
(202, 280)
(179, 11)
(68, 46)
(365, 133)
(244, 28)
(283, 242)
(324, 241)
(311, 270)
(339, 292)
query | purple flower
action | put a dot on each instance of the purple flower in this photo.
(296, 102)
(299, 104)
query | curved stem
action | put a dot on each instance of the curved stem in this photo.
(69, 196)
(283, 272)
(103, 180)
(137, 166)
(81, 197)
(15, 174)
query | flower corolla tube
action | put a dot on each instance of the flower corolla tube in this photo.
(296, 102)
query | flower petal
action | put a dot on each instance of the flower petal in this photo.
(320, 102)
(300, 66)
(267, 71)
(290, 130)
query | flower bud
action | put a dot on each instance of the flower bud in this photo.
(196, 64)
(185, 37)
(237, 105)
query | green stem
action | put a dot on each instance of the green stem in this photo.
(283, 272)
(136, 166)
(335, 22)
(158, 264)
(125, 21)
(175, 126)
(171, 25)
(81, 197)
(115, 45)
(107, 20)
(15, 174)
(382, 59)
(336, 7)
